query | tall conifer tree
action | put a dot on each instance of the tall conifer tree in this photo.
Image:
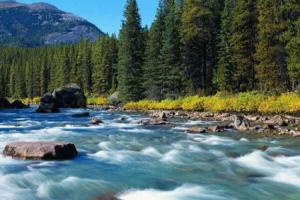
(243, 41)
(224, 74)
(271, 69)
(131, 51)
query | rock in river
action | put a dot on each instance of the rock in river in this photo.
(70, 96)
(195, 130)
(241, 123)
(48, 104)
(41, 150)
(96, 121)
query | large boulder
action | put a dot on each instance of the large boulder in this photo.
(41, 150)
(114, 98)
(70, 96)
(4, 103)
(48, 104)
(241, 123)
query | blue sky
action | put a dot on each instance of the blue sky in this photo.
(106, 14)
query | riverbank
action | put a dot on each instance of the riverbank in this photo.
(265, 125)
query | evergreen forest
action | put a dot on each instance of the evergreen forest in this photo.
(194, 47)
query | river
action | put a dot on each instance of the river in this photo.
(137, 162)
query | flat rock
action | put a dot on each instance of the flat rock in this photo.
(41, 150)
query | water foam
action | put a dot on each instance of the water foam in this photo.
(70, 185)
(186, 192)
(280, 169)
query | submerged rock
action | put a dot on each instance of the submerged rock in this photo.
(96, 121)
(81, 115)
(216, 129)
(263, 148)
(48, 104)
(195, 130)
(41, 150)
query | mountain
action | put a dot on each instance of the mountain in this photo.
(41, 24)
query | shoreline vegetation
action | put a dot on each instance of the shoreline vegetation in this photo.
(248, 102)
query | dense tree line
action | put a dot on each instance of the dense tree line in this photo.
(192, 47)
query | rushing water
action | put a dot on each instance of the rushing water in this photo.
(145, 163)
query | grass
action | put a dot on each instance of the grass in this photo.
(251, 102)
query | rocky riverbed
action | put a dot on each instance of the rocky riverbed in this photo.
(131, 156)
(265, 125)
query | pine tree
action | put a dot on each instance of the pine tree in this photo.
(102, 66)
(293, 50)
(152, 69)
(270, 52)
(131, 52)
(199, 30)
(292, 39)
(171, 74)
(113, 57)
(2, 82)
(44, 74)
(224, 76)
(243, 41)
(29, 80)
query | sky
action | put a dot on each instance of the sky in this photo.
(106, 14)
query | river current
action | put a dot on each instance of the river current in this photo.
(137, 162)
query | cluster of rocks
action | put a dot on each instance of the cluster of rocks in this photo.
(17, 104)
(69, 96)
(274, 125)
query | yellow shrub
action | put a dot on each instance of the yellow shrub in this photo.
(243, 102)
(97, 101)
(192, 103)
